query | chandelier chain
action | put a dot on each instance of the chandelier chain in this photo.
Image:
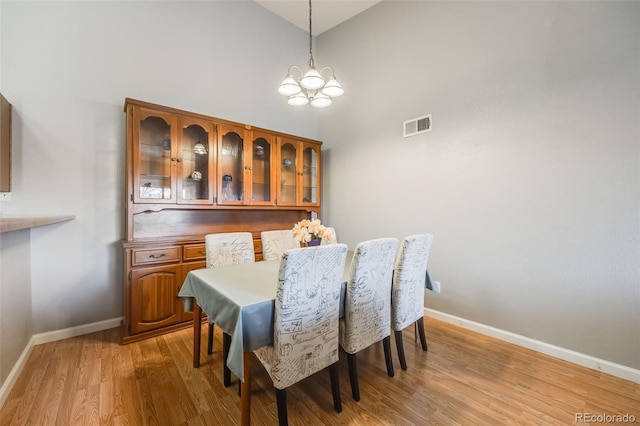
(311, 63)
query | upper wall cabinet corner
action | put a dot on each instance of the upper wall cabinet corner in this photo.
(5, 145)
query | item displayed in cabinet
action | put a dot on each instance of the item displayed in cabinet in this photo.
(199, 149)
(166, 144)
(227, 190)
(196, 175)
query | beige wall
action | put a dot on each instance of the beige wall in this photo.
(530, 178)
(15, 299)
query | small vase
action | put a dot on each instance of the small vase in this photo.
(312, 243)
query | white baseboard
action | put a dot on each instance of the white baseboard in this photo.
(15, 372)
(51, 336)
(578, 358)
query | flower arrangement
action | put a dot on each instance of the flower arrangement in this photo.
(307, 230)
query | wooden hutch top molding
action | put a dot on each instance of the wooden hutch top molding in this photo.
(217, 120)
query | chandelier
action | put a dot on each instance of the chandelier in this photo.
(310, 87)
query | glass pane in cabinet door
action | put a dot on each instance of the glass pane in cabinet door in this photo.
(310, 176)
(288, 181)
(231, 161)
(261, 170)
(195, 163)
(155, 159)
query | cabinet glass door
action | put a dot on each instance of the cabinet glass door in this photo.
(231, 165)
(310, 177)
(288, 185)
(262, 175)
(195, 163)
(154, 157)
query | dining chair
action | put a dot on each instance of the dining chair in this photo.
(331, 239)
(407, 295)
(367, 305)
(225, 249)
(305, 325)
(275, 243)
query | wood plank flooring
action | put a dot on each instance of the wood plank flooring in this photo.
(465, 378)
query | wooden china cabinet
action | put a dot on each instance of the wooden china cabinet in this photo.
(189, 175)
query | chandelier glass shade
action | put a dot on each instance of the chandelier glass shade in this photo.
(310, 87)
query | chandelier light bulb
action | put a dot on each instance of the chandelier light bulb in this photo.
(312, 80)
(289, 86)
(333, 88)
(298, 99)
(320, 100)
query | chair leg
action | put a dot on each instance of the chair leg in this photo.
(210, 339)
(400, 346)
(386, 344)
(353, 376)
(226, 374)
(281, 399)
(335, 387)
(423, 337)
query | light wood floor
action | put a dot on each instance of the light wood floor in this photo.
(464, 378)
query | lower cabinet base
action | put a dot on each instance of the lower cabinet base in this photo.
(130, 338)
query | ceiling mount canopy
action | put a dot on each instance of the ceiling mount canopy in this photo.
(310, 87)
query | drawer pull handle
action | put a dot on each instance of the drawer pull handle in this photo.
(153, 256)
(202, 253)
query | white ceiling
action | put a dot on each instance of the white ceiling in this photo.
(326, 13)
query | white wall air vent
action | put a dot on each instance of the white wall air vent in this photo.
(415, 126)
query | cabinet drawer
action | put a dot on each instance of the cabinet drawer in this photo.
(156, 255)
(194, 252)
(257, 246)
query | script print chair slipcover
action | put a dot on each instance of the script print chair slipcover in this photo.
(305, 327)
(275, 243)
(367, 306)
(227, 249)
(407, 295)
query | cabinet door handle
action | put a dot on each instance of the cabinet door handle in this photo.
(247, 168)
(153, 256)
(173, 158)
(178, 160)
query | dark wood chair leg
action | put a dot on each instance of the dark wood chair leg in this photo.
(423, 337)
(386, 344)
(400, 346)
(335, 387)
(226, 374)
(281, 399)
(353, 376)
(210, 339)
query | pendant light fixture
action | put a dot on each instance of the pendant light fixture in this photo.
(310, 87)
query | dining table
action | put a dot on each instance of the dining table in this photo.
(240, 299)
